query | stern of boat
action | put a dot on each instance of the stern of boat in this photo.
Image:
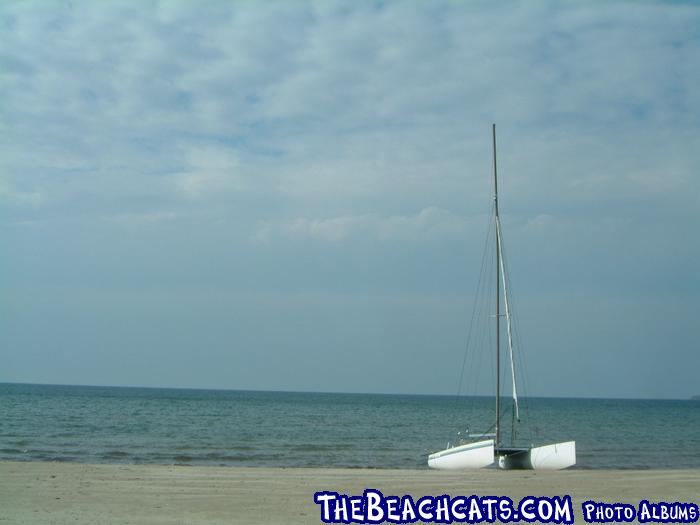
(478, 454)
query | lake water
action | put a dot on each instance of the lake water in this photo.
(283, 429)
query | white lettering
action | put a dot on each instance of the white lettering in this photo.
(374, 511)
(324, 500)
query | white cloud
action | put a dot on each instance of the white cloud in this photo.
(428, 224)
(139, 219)
(341, 104)
(210, 170)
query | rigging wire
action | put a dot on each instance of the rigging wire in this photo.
(474, 337)
(521, 370)
(480, 332)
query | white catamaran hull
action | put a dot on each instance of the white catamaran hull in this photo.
(472, 455)
(485, 452)
(549, 457)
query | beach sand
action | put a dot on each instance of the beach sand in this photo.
(70, 493)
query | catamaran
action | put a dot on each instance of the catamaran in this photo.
(482, 450)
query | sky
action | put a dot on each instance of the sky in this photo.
(293, 195)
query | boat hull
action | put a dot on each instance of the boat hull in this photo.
(469, 456)
(556, 456)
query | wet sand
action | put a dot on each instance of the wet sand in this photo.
(69, 493)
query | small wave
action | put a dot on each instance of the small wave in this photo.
(115, 454)
(64, 434)
(307, 447)
(12, 451)
(65, 459)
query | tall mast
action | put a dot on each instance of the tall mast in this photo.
(498, 295)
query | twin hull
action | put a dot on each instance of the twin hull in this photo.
(472, 455)
(483, 453)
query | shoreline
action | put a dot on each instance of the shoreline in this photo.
(212, 465)
(81, 493)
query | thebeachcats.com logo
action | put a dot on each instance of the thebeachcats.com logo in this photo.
(374, 507)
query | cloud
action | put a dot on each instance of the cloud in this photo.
(323, 144)
(139, 219)
(210, 170)
(428, 224)
(342, 104)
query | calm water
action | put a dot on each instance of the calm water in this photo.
(216, 427)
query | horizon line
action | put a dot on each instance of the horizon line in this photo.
(205, 389)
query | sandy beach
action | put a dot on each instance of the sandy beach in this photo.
(69, 493)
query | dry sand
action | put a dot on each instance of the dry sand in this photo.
(69, 493)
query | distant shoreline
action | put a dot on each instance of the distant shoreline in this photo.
(390, 394)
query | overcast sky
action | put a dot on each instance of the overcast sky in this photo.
(294, 195)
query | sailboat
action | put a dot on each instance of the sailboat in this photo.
(483, 450)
